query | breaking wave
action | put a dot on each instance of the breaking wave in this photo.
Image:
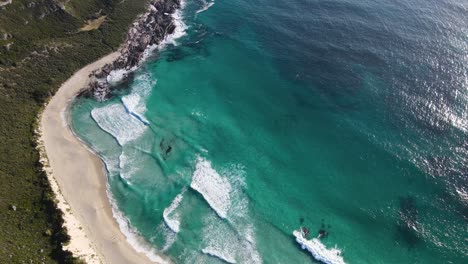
(214, 188)
(220, 255)
(228, 242)
(115, 120)
(132, 235)
(179, 31)
(133, 106)
(223, 192)
(126, 165)
(318, 250)
(134, 102)
(173, 222)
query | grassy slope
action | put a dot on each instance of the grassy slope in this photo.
(46, 50)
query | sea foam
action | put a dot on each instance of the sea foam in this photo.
(179, 31)
(117, 76)
(115, 120)
(133, 237)
(169, 235)
(214, 188)
(228, 242)
(206, 6)
(318, 250)
(125, 165)
(217, 254)
(172, 220)
(133, 105)
(134, 102)
(231, 239)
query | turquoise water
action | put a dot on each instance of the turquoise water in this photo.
(347, 116)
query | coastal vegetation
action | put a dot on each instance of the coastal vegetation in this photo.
(41, 45)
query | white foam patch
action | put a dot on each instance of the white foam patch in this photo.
(127, 164)
(171, 219)
(133, 105)
(238, 211)
(237, 240)
(225, 242)
(214, 188)
(115, 120)
(179, 31)
(250, 236)
(169, 236)
(318, 250)
(132, 235)
(218, 254)
(170, 239)
(197, 114)
(206, 6)
(117, 76)
(134, 102)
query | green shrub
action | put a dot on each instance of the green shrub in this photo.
(46, 50)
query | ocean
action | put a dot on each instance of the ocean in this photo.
(346, 117)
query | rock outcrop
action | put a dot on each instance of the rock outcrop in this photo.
(5, 2)
(149, 29)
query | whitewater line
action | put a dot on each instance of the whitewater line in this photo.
(318, 250)
(214, 188)
(173, 224)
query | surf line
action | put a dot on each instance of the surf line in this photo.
(136, 115)
(173, 224)
(206, 6)
(317, 249)
(215, 189)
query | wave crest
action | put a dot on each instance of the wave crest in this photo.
(214, 188)
(115, 120)
(318, 250)
(217, 254)
(173, 223)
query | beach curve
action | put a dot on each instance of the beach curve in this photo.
(79, 178)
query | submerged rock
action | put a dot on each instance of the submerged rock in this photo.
(408, 225)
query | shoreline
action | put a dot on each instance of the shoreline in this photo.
(78, 179)
(99, 232)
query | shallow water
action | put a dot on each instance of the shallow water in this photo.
(347, 116)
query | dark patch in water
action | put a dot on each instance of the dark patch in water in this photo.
(408, 222)
(408, 236)
(166, 147)
(301, 100)
(324, 230)
(177, 54)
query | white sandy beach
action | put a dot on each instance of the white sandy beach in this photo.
(78, 178)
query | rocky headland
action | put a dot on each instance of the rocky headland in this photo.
(148, 30)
